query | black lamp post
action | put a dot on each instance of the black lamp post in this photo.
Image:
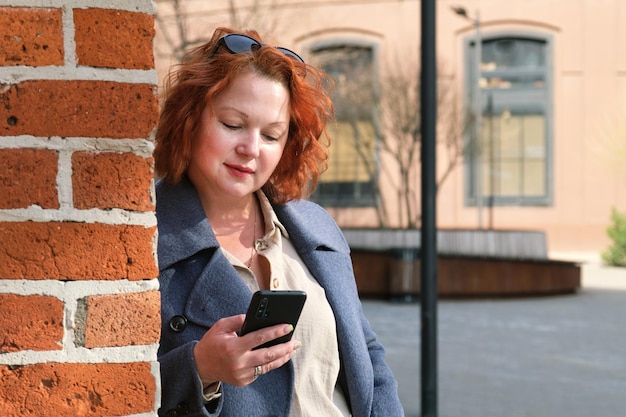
(428, 267)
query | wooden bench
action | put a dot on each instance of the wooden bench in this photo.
(512, 244)
(470, 263)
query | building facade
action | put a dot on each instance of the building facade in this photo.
(549, 78)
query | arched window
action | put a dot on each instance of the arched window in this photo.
(513, 160)
(352, 167)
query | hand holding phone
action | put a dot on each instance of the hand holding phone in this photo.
(268, 308)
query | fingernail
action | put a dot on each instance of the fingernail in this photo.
(288, 328)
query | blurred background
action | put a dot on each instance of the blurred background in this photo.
(531, 133)
(531, 175)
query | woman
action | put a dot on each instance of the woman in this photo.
(239, 144)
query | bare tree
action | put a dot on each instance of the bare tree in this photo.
(400, 135)
(354, 98)
(381, 120)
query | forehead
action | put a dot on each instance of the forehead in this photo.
(253, 93)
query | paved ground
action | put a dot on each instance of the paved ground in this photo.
(561, 356)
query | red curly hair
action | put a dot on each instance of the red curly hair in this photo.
(205, 72)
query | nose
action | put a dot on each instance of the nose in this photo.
(249, 144)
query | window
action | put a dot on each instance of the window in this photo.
(352, 167)
(513, 158)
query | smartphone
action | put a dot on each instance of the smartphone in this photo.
(268, 308)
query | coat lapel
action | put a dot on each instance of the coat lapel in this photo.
(229, 295)
(321, 246)
(186, 232)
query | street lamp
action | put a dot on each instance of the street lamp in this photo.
(478, 112)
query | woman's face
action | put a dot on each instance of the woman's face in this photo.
(242, 139)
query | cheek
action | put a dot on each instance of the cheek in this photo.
(207, 144)
(202, 156)
(277, 155)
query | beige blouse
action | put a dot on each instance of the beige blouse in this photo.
(316, 363)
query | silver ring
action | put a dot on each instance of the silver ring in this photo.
(258, 370)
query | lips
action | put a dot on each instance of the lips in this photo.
(240, 170)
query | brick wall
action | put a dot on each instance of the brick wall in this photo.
(79, 301)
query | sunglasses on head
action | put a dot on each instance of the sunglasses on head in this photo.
(241, 44)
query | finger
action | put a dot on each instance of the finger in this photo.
(261, 361)
(259, 337)
(276, 356)
(258, 371)
(230, 324)
(278, 352)
(218, 354)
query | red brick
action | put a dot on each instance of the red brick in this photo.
(31, 36)
(114, 38)
(78, 108)
(107, 180)
(76, 389)
(123, 319)
(76, 251)
(32, 322)
(28, 177)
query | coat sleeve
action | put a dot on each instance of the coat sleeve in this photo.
(365, 375)
(370, 382)
(181, 389)
(386, 401)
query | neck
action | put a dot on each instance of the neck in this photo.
(231, 218)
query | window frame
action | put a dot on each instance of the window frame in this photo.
(364, 194)
(471, 200)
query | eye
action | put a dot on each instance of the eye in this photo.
(271, 138)
(274, 135)
(231, 126)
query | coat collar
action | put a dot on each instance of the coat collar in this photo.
(185, 230)
(182, 223)
(310, 227)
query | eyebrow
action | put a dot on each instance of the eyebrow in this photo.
(247, 116)
(236, 110)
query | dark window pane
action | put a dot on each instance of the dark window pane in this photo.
(352, 160)
(513, 63)
(513, 53)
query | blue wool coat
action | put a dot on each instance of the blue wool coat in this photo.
(199, 286)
